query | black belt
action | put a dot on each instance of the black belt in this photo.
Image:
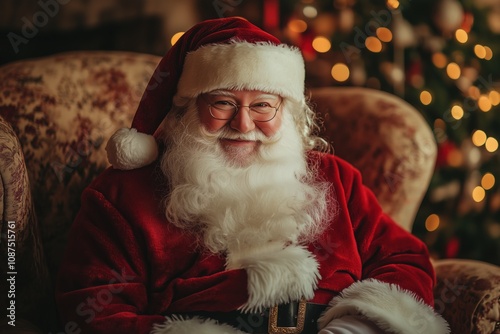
(292, 318)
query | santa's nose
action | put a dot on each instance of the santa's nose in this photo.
(242, 122)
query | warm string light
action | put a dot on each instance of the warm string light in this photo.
(494, 97)
(393, 4)
(479, 138)
(176, 37)
(483, 52)
(491, 145)
(461, 36)
(340, 72)
(373, 44)
(453, 70)
(479, 192)
(321, 44)
(432, 222)
(488, 181)
(484, 103)
(310, 12)
(384, 34)
(474, 92)
(425, 97)
(439, 60)
(297, 26)
(457, 112)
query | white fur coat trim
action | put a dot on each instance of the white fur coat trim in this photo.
(276, 274)
(390, 307)
(196, 325)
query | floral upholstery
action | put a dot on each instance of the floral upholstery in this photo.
(57, 112)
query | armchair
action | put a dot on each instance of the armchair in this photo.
(57, 112)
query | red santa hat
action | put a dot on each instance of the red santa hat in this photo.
(227, 53)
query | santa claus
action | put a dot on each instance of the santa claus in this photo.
(220, 214)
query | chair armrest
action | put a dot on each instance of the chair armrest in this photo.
(15, 197)
(467, 294)
(19, 227)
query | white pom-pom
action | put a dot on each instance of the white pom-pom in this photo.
(128, 149)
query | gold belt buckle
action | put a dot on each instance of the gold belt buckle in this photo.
(299, 327)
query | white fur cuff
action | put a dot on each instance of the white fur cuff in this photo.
(276, 275)
(391, 308)
(179, 325)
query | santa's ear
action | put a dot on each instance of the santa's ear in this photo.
(129, 149)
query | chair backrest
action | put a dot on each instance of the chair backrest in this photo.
(386, 138)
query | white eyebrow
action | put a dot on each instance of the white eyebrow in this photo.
(222, 92)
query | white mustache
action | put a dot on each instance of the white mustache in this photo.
(254, 135)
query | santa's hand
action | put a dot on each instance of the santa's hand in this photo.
(350, 325)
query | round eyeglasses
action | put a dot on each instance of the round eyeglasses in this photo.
(259, 112)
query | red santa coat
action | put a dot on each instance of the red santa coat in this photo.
(126, 267)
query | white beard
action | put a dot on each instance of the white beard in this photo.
(271, 198)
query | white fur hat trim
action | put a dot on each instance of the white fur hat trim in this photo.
(128, 149)
(277, 69)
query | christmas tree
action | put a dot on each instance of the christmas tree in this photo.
(440, 56)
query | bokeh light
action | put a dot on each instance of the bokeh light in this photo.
(432, 222)
(297, 26)
(453, 70)
(176, 37)
(461, 36)
(491, 144)
(384, 34)
(479, 138)
(321, 44)
(457, 112)
(340, 72)
(478, 194)
(439, 60)
(373, 44)
(488, 181)
(425, 97)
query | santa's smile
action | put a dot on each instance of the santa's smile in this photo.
(237, 148)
